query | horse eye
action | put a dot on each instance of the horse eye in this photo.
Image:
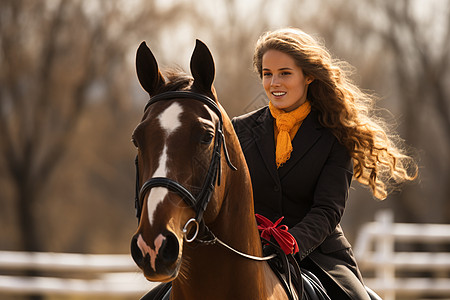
(134, 142)
(207, 137)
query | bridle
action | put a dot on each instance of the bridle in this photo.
(200, 201)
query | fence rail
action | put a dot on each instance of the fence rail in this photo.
(397, 273)
(386, 270)
(91, 274)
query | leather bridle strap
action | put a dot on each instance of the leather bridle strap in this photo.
(186, 94)
(169, 184)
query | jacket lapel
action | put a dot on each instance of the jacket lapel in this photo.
(306, 137)
(264, 138)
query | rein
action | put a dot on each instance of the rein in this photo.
(215, 240)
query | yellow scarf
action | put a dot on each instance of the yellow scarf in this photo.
(286, 126)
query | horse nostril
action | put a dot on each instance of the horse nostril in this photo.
(136, 253)
(169, 248)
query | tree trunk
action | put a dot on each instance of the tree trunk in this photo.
(27, 197)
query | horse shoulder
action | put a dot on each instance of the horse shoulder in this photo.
(274, 289)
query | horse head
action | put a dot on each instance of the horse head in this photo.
(179, 163)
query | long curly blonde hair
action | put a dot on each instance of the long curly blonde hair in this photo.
(379, 160)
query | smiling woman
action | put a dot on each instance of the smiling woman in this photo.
(304, 148)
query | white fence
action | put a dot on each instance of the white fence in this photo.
(392, 274)
(72, 274)
(404, 274)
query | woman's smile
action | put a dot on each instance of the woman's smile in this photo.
(278, 94)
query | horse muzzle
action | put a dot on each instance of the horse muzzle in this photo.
(160, 258)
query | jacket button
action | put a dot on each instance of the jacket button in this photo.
(276, 188)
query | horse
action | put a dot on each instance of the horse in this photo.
(207, 245)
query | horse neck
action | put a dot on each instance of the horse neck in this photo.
(236, 223)
(218, 267)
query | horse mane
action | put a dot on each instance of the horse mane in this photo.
(175, 80)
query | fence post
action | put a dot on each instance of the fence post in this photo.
(385, 270)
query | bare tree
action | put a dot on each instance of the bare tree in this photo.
(57, 59)
(415, 42)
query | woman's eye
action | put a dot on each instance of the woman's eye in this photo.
(266, 74)
(207, 137)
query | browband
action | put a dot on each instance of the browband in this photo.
(186, 94)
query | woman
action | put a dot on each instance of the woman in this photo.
(304, 148)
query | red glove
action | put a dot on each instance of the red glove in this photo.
(284, 239)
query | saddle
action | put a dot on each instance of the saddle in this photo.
(309, 286)
(294, 279)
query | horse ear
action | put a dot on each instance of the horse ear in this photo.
(202, 67)
(147, 70)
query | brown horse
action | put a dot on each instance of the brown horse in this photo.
(188, 189)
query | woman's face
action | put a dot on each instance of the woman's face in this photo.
(284, 82)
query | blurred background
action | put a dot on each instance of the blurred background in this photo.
(70, 99)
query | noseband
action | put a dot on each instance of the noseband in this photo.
(200, 201)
